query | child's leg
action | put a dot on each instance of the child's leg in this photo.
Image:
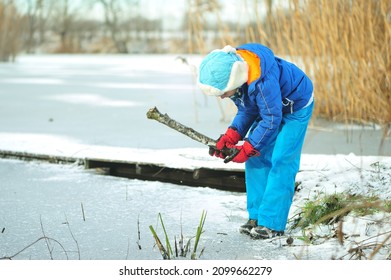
(278, 194)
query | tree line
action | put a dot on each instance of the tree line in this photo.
(65, 26)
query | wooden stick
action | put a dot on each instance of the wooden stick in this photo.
(154, 114)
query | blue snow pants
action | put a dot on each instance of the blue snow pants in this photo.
(270, 177)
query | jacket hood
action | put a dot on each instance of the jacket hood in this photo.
(266, 55)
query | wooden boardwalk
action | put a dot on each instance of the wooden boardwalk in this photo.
(224, 179)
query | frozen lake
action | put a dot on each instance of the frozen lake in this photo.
(102, 100)
(69, 105)
(115, 211)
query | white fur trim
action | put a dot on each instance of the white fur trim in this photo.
(209, 90)
(238, 76)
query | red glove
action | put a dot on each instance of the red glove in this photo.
(229, 139)
(214, 152)
(244, 153)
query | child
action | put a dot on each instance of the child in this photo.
(275, 102)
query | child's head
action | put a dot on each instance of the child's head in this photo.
(221, 71)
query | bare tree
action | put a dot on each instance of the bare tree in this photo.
(66, 23)
(117, 15)
(64, 20)
(36, 18)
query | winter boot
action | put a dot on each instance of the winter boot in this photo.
(247, 227)
(261, 232)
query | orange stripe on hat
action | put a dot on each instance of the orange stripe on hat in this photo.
(254, 65)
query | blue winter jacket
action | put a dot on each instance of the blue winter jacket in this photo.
(281, 88)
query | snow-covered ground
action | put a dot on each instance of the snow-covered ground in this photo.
(106, 214)
(95, 106)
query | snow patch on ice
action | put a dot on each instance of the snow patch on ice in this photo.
(92, 100)
(40, 81)
(144, 86)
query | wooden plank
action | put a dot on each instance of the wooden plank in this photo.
(201, 177)
(230, 180)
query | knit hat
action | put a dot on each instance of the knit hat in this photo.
(222, 70)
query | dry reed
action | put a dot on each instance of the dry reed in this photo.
(344, 46)
(10, 31)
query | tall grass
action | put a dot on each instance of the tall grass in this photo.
(166, 250)
(343, 45)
